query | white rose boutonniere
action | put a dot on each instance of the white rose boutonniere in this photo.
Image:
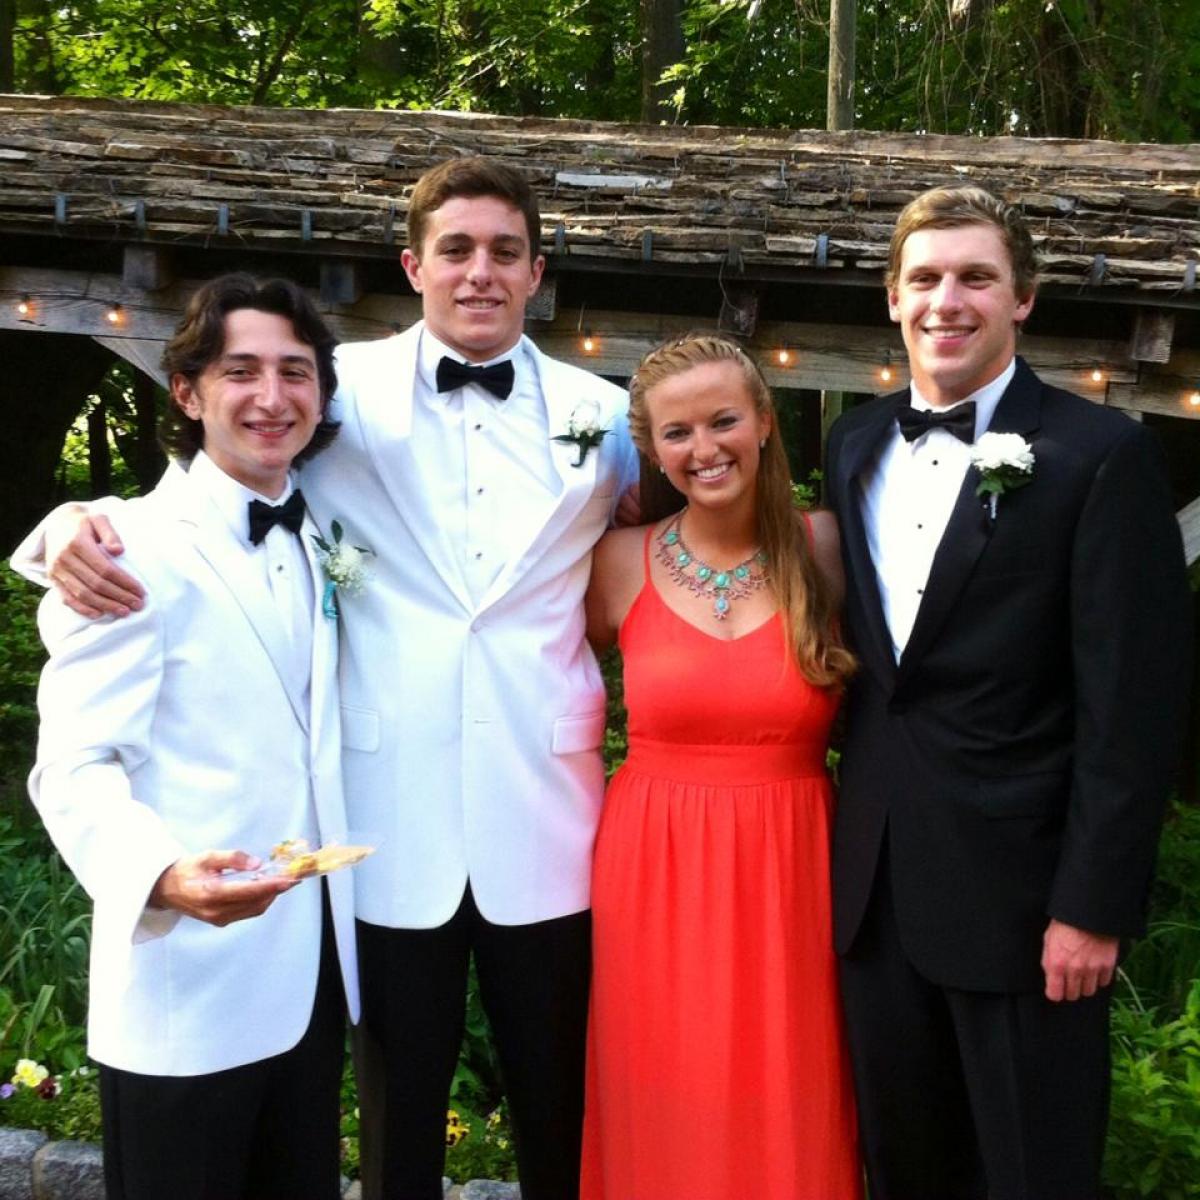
(1004, 461)
(583, 430)
(345, 567)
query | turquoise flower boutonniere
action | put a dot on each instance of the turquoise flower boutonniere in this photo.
(583, 430)
(1004, 462)
(345, 568)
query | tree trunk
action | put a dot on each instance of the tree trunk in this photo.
(99, 453)
(839, 103)
(8, 23)
(147, 461)
(45, 380)
(662, 46)
(1065, 96)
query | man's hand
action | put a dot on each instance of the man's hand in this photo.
(1075, 962)
(194, 886)
(79, 562)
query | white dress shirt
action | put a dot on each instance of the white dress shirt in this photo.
(485, 463)
(908, 494)
(280, 557)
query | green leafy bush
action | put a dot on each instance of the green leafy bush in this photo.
(1154, 1133)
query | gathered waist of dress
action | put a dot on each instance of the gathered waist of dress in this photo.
(725, 765)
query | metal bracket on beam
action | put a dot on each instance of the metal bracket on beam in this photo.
(821, 253)
(739, 311)
(733, 258)
(560, 238)
(647, 246)
(1099, 266)
(139, 214)
(306, 224)
(146, 268)
(223, 219)
(60, 209)
(389, 225)
(342, 282)
(1189, 276)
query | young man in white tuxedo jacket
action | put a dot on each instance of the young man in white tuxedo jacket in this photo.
(1011, 734)
(187, 740)
(481, 473)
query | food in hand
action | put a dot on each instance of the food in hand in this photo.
(297, 861)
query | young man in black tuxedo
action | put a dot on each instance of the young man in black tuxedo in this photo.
(1011, 734)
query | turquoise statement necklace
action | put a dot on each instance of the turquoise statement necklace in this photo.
(701, 579)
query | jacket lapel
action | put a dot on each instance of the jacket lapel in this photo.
(385, 411)
(969, 528)
(858, 450)
(578, 483)
(324, 641)
(216, 544)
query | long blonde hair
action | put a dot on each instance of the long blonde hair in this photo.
(799, 588)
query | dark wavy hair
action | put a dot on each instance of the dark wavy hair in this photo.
(199, 340)
(472, 176)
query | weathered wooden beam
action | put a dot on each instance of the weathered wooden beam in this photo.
(739, 311)
(847, 358)
(1153, 333)
(146, 267)
(143, 353)
(342, 281)
(1189, 526)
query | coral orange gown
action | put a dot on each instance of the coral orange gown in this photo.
(717, 1068)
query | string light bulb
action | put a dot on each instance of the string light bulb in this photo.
(588, 342)
(115, 315)
(1194, 398)
(885, 372)
(1097, 375)
(25, 307)
(783, 356)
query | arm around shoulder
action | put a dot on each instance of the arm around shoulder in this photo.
(617, 576)
(826, 545)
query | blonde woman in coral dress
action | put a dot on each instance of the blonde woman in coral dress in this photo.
(717, 1068)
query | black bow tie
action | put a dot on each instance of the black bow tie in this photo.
(498, 378)
(960, 421)
(290, 515)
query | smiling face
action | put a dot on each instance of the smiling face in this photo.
(474, 273)
(705, 432)
(956, 304)
(259, 400)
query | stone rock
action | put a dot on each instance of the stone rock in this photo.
(17, 1148)
(351, 1191)
(489, 1189)
(69, 1171)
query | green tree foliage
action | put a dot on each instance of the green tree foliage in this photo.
(1124, 69)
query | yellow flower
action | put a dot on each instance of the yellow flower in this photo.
(29, 1073)
(456, 1128)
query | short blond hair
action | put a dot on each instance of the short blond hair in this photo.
(801, 591)
(954, 205)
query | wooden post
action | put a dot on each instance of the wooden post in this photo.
(839, 104)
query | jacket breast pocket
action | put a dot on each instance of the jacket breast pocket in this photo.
(1041, 794)
(360, 729)
(574, 735)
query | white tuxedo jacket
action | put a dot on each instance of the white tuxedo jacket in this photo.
(471, 732)
(180, 729)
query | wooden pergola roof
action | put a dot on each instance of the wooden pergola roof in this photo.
(779, 235)
(1121, 218)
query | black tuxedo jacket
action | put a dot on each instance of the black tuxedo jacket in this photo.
(1019, 754)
